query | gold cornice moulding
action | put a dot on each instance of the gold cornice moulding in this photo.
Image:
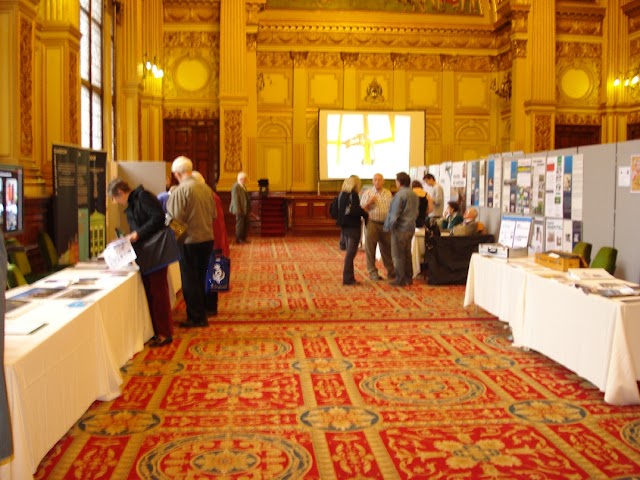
(191, 113)
(175, 11)
(570, 118)
(632, 9)
(578, 49)
(191, 39)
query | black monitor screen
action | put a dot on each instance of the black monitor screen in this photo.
(11, 198)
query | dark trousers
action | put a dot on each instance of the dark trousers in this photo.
(352, 240)
(193, 270)
(242, 227)
(401, 254)
(157, 290)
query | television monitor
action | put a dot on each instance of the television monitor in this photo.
(367, 142)
(11, 199)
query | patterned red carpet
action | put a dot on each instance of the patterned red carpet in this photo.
(300, 377)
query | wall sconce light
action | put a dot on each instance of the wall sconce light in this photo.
(630, 81)
(151, 68)
(504, 90)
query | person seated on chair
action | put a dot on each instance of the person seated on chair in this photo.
(452, 216)
(469, 225)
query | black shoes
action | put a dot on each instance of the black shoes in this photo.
(193, 325)
(156, 342)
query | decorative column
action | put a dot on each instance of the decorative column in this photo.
(237, 17)
(151, 140)
(617, 59)
(533, 47)
(399, 79)
(130, 56)
(448, 107)
(300, 101)
(18, 120)
(349, 90)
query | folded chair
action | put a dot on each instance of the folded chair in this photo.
(584, 250)
(606, 258)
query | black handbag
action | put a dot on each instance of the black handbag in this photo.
(157, 251)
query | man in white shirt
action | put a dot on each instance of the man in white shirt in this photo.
(376, 202)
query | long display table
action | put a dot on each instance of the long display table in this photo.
(592, 335)
(55, 373)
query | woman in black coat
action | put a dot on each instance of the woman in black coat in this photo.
(349, 214)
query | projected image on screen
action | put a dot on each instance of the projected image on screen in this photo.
(365, 143)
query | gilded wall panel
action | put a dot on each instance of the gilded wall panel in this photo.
(233, 135)
(472, 93)
(471, 131)
(542, 125)
(374, 90)
(325, 89)
(578, 81)
(424, 91)
(274, 126)
(277, 90)
(272, 163)
(191, 73)
(433, 130)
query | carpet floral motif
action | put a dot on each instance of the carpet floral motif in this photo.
(298, 377)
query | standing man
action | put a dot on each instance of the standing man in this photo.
(376, 201)
(192, 203)
(401, 222)
(241, 207)
(438, 196)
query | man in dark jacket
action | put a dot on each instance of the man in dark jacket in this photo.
(145, 217)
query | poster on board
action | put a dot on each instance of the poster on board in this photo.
(538, 168)
(523, 182)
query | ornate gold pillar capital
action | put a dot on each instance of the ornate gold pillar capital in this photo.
(253, 8)
(299, 59)
(399, 60)
(349, 59)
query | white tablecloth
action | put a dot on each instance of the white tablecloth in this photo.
(54, 374)
(594, 336)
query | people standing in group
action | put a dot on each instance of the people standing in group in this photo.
(401, 222)
(452, 217)
(241, 207)
(469, 225)
(145, 217)
(220, 242)
(437, 197)
(349, 214)
(376, 201)
(192, 203)
(425, 203)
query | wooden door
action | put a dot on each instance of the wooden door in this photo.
(576, 135)
(197, 139)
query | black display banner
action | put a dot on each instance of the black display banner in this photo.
(65, 202)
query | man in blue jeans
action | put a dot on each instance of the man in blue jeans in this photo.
(401, 222)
